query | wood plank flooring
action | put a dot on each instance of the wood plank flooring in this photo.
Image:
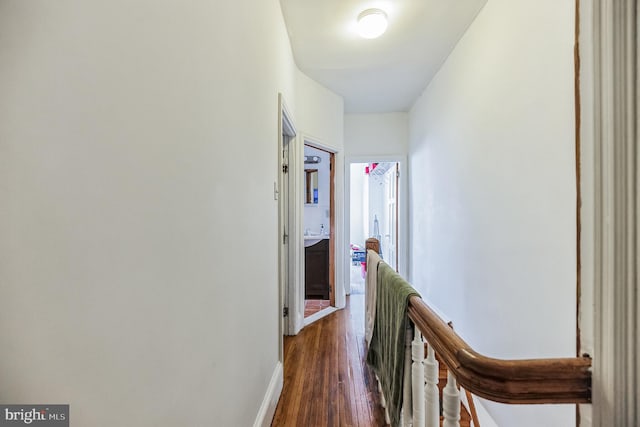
(312, 306)
(326, 379)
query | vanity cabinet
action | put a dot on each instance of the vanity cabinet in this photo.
(316, 274)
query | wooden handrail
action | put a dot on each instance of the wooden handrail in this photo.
(561, 380)
(526, 381)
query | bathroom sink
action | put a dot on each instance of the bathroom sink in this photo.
(312, 239)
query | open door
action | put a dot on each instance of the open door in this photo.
(332, 230)
(391, 179)
(286, 211)
(319, 224)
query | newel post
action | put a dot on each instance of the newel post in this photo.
(372, 244)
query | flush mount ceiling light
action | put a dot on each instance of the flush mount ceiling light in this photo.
(372, 23)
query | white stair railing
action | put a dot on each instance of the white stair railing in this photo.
(406, 418)
(517, 381)
(431, 393)
(451, 402)
(425, 394)
(383, 402)
(417, 379)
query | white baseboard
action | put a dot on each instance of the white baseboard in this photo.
(319, 315)
(271, 397)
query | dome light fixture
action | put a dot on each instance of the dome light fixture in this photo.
(372, 23)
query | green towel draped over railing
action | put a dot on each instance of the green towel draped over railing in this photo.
(387, 348)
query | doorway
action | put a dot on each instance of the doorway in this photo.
(374, 211)
(319, 232)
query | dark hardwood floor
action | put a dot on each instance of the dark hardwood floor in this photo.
(326, 379)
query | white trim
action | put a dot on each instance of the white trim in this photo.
(340, 261)
(288, 127)
(296, 240)
(271, 397)
(616, 383)
(287, 326)
(387, 158)
(314, 142)
(587, 191)
(319, 315)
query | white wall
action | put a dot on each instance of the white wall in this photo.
(493, 190)
(137, 141)
(358, 204)
(320, 113)
(376, 134)
(382, 137)
(320, 121)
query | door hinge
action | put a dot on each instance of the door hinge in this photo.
(285, 311)
(285, 238)
(285, 168)
(397, 174)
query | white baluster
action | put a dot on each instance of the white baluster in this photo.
(406, 416)
(383, 402)
(451, 402)
(431, 392)
(417, 379)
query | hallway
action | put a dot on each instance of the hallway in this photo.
(326, 380)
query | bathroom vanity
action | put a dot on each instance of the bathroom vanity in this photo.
(316, 273)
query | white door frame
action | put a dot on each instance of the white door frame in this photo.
(296, 245)
(295, 300)
(403, 219)
(286, 257)
(339, 203)
(610, 159)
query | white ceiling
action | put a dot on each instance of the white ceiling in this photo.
(379, 75)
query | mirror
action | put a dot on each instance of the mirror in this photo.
(311, 186)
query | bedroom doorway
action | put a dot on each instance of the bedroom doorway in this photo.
(374, 211)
